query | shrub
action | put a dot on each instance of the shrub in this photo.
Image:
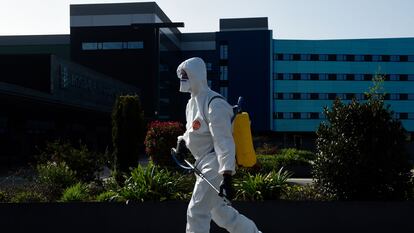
(286, 158)
(128, 132)
(54, 178)
(361, 152)
(304, 193)
(107, 196)
(77, 192)
(261, 187)
(161, 137)
(267, 149)
(28, 196)
(155, 183)
(84, 162)
(3, 196)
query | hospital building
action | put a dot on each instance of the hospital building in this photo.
(64, 86)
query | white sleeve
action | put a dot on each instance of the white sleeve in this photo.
(220, 114)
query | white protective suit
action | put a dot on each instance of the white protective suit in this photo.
(209, 138)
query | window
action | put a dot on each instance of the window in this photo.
(314, 57)
(296, 57)
(287, 76)
(223, 73)
(411, 58)
(359, 57)
(224, 51)
(296, 115)
(287, 115)
(305, 57)
(304, 96)
(287, 96)
(341, 57)
(394, 58)
(296, 96)
(304, 115)
(323, 76)
(224, 91)
(394, 96)
(209, 66)
(403, 77)
(367, 77)
(376, 58)
(349, 96)
(287, 57)
(323, 96)
(135, 45)
(331, 96)
(403, 115)
(403, 96)
(403, 58)
(410, 116)
(89, 46)
(410, 77)
(341, 96)
(394, 77)
(111, 45)
(304, 76)
(410, 96)
(279, 76)
(385, 57)
(278, 57)
(314, 115)
(322, 115)
(340, 77)
(280, 115)
(350, 77)
(332, 76)
(279, 96)
(350, 58)
(296, 76)
(368, 57)
(359, 77)
(314, 76)
(314, 96)
(331, 57)
(323, 57)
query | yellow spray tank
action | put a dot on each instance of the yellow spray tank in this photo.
(245, 154)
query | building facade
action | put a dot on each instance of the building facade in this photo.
(135, 48)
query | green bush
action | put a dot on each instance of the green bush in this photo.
(361, 152)
(286, 158)
(54, 178)
(3, 196)
(304, 193)
(161, 137)
(28, 196)
(155, 183)
(76, 193)
(128, 132)
(107, 196)
(84, 162)
(259, 187)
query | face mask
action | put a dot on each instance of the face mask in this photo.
(184, 85)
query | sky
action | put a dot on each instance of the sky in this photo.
(289, 19)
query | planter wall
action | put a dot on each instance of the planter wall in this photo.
(169, 217)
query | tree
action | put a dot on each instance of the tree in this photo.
(361, 151)
(128, 131)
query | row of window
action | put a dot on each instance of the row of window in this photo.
(332, 96)
(340, 77)
(342, 57)
(320, 115)
(115, 45)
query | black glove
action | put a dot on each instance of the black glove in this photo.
(181, 149)
(226, 187)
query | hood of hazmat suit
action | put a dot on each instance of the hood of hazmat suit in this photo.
(208, 129)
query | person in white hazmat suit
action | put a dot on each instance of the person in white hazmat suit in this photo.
(209, 138)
